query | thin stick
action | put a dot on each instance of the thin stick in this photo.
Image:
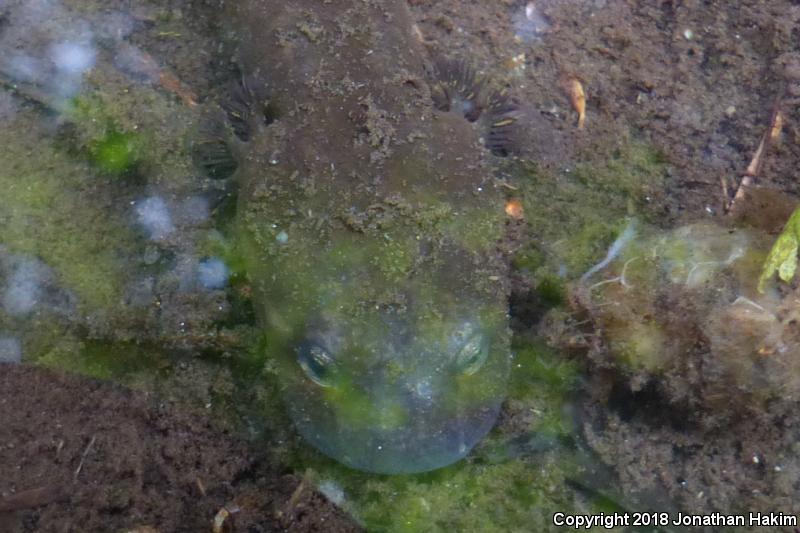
(754, 168)
(83, 457)
(290, 505)
(31, 498)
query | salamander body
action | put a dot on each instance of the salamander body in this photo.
(369, 221)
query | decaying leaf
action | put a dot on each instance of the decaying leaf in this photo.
(782, 257)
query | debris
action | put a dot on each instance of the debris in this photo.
(777, 127)
(29, 499)
(782, 257)
(754, 168)
(577, 97)
(530, 24)
(223, 521)
(83, 456)
(298, 492)
(136, 61)
(616, 248)
(516, 63)
(200, 486)
(514, 209)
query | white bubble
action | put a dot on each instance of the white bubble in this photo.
(73, 58)
(212, 273)
(154, 216)
(115, 25)
(333, 491)
(530, 23)
(423, 390)
(23, 288)
(10, 349)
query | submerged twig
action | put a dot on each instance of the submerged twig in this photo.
(223, 519)
(31, 498)
(295, 497)
(83, 456)
(747, 301)
(754, 168)
(30, 92)
(138, 61)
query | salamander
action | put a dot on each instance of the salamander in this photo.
(369, 219)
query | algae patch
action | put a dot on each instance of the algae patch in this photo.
(55, 209)
(575, 214)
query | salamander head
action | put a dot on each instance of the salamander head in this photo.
(372, 257)
(398, 393)
(380, 395)
(390, 375)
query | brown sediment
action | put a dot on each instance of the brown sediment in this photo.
(140, 463)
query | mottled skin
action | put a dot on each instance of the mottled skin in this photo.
(369, 221)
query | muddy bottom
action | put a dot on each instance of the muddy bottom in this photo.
(80, 455)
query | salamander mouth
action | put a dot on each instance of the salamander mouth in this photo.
(410, 449)
(373, 423)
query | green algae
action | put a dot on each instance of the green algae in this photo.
(110, 148)
(576, 214)
(46, 214)
(119, 362)
(511, 496)
(65, 204)
(551, 291)
(116, 153)
(121, 128)
(69, 213)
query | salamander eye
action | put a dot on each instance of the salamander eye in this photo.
(473, 354)
(317, 363)
(472, 349)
